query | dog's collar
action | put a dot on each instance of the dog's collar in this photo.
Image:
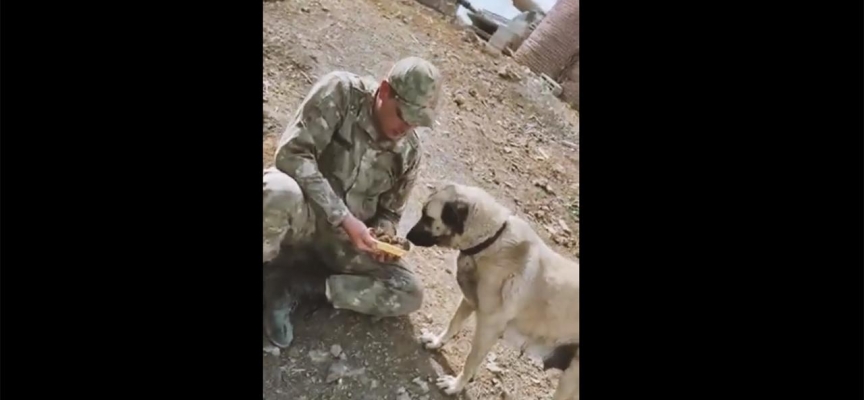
(486, 243)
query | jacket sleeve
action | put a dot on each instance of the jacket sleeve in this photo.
(316, 121)
(391, 204)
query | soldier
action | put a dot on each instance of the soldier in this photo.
(346, 163)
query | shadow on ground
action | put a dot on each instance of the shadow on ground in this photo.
(379, 359)
(341, 354)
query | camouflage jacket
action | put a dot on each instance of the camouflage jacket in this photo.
(332, 149)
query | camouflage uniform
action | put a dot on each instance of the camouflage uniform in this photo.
(331, 161)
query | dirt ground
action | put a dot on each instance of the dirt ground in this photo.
(497, 129)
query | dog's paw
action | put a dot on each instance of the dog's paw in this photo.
(451, 385)
(430, 340)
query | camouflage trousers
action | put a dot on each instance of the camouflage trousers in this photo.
(358, 282)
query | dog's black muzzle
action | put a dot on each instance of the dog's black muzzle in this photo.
(419, 236)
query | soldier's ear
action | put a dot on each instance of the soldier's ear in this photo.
(454, 215)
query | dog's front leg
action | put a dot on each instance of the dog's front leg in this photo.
(432, 341)
(489, 329)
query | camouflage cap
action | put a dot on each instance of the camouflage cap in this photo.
(417, 85)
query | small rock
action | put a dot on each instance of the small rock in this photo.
(336, 350)
(337, 371)
(506, 73)
(294, 352)
(325, 9)
(402, 394)
(374, 384)
(272, 350)
(570, 144)
(545, 186)
(423, 385)
(491, 50)
(472, 92)
(564, 226)
(559, 169)
(304, 9)
(469, 36)
(543, 156)
(493, 367)
(459, 100)
(340, 369)
(319, 356)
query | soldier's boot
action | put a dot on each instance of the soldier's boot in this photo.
(277, 319)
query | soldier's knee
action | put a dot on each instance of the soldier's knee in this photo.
(410, 293)
(413, 297)
(399, 295)
(411, 301)
(281, 190)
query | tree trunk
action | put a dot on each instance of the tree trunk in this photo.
(553, 47)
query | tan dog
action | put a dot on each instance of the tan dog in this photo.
(519, 288)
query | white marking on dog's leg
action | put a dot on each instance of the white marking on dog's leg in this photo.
(488, 330)
(432, 341)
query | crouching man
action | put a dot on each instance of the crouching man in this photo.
(346, 163)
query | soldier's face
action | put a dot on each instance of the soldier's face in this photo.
(387, 112)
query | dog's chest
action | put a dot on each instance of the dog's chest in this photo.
(466, 277)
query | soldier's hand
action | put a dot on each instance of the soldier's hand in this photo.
(383, 257)
(358, 233)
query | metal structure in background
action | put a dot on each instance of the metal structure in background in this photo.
(553, 48)
(467, 5)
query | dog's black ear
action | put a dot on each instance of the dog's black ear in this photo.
(454, 215)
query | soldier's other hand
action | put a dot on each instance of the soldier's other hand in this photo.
(358, 233)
